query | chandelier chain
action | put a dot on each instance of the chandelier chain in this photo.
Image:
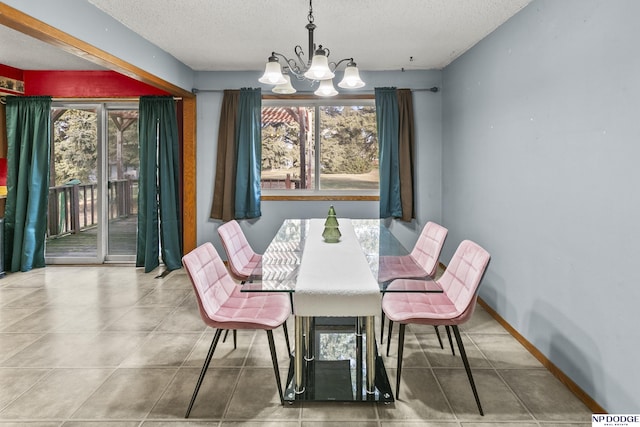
(310, 16)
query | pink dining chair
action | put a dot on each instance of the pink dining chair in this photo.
(452, 307)
(222, 306)
(422, 262)
(241, 257)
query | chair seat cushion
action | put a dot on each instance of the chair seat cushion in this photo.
(249, 267)
(420, 308)
(413, 285)
(251, 310)
(399, 267)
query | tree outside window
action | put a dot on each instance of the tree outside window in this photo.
(320, 147)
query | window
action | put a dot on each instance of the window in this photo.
(317, 146)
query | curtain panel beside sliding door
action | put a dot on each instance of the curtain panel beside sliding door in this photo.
(28, 142)
(159, 228)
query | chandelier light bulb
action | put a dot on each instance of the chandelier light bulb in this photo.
(284, 88)
(272, 74)
(326, 88)
(351, 79)
(319, 69)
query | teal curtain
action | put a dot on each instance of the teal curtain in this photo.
(159, 228)
(25, 221)
(248, 154)
(387, 118)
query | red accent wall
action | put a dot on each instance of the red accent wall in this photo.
(12, 73)
(84, 84)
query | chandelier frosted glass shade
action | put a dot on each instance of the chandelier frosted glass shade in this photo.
(326, 88)
(351, 79)
(284, 88)
(319, 68)
(273, 73)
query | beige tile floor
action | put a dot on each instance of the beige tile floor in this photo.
(112, 346)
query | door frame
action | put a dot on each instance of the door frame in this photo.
(102, 108)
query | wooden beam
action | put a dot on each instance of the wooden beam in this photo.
(35, 28)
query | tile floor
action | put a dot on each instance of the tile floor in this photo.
(112, 346)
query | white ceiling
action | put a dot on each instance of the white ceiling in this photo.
(235, 35)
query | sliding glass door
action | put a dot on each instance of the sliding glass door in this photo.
(123, 164)
(92, 215)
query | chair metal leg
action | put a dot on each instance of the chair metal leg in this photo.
(212, 348)
(235, 338)
(286, 337)
(389, 335)
(382, 318)
(400, 351)
(438, 334)
(274, 358)
(450, 341)
(463, 354)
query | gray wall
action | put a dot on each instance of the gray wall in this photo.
(540, 151)
(427, 111)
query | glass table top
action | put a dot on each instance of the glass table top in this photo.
(281, 261)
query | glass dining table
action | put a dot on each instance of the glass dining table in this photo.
(328, 362)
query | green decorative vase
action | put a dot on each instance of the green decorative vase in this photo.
(331, 233)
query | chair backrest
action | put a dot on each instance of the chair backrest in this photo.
(210, 279)
(240, 255)
(426, 251)
(463, 275)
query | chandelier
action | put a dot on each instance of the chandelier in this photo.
(316, 68)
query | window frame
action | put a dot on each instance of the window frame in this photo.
(316, 194)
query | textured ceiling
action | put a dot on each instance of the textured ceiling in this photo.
(235, 35)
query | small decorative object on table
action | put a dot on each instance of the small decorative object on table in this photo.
(331, 231)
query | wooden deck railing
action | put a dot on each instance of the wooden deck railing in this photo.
(73, 208)
(281, 184)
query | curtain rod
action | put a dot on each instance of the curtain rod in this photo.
(115, 99)
(3, 99)
(433, 89)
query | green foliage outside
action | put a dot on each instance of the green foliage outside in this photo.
(75, 147)
(75, 153)
(349, 141)
(280, 146)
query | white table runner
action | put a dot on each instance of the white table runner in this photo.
(335, 279)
